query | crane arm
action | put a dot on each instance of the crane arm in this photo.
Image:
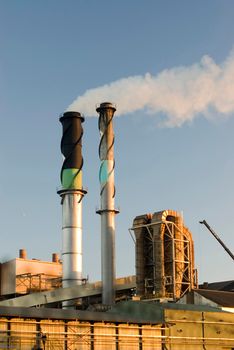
(217, 237)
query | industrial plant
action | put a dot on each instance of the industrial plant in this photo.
(47, 305)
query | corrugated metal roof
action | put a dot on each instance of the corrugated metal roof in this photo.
(227, 286)
(219, 297)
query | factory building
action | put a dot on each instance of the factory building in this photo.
(50, 306)
(23, 276)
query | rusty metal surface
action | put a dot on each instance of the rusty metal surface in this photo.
(164, 255)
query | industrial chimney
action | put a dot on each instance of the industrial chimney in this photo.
(107, 192)
(71, 194)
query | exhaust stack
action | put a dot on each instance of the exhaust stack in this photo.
(107, 192)
(71, 199)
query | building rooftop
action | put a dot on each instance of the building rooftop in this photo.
(227, 286)
(221, 298)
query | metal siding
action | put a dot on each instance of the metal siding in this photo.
(219, 330)
(55, 333)
(78, 335)
(184, 329)
(104, 336)
(3, 333)
(151, 337)
(128, 337)
(22, 334)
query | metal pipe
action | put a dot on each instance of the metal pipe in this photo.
(218, 238)
(72, 194)
(107, 192)
(23, 254)
(55, 258)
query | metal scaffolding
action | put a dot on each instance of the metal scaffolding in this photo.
(29, 283)
(164, 259)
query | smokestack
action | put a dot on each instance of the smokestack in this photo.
(55, 258)
(72, 194)
(23, 254)
(107, 192)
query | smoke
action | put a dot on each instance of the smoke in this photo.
(180, 93)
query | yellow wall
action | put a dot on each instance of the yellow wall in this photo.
(183, 329)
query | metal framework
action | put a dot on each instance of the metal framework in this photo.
(176, 256)
(125, 288)
(28, 282)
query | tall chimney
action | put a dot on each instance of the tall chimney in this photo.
(107, 192)
(71, 194)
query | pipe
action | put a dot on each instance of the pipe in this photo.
(218, 238)
(23, 254)
(107, 192)
(71, 194)
(55, 258)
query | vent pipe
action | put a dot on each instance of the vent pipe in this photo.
(23, 254)
(71, 199)
(107, 192)
(55, 258)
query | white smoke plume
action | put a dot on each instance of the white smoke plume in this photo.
(179, 93)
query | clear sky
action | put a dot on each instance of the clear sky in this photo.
(53, 51)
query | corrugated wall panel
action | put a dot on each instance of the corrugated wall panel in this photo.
(54, 332)
(3, 333)
(104, 336)
(22, 334)
(78, 335)
(151, 337)
(128, 337)
(183, 330)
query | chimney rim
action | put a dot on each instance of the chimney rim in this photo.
(71, 114)
(105, 105)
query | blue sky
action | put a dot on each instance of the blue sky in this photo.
(53, 51)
